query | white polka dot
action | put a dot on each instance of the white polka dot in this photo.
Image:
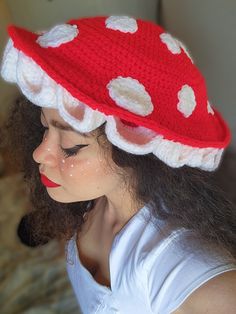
(130, 94)
(209, 108)
(59, 34)
(187, 102)
(171, 43)
(124, 24)
(174, 44)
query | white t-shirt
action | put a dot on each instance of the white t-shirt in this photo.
(150, 272)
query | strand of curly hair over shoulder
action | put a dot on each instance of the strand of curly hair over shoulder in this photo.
(184, 197)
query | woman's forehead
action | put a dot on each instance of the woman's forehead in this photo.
(52, 113)
(53, 117)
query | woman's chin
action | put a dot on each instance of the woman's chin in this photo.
(58, 196)
(62, 197)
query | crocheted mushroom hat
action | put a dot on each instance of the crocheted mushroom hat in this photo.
(127, 73)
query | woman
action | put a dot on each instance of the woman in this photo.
(118, 154)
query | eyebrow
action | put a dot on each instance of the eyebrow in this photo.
(64, 127)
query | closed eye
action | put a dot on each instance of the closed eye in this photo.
(68, 152)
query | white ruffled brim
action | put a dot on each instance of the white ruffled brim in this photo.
(43, 91)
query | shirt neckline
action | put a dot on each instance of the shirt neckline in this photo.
(115, 239)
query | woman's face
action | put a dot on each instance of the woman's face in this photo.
(82, 172)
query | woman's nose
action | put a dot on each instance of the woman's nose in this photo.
(45, 153)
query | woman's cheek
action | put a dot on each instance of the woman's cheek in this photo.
(72, 168)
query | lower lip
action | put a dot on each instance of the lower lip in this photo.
(48, 183)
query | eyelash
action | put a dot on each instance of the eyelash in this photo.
(68, 152)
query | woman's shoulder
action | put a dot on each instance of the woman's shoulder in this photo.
(158, 239)
(183, 251)
(217, 295)
(174, 266)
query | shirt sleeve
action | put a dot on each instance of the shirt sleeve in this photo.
(173, 272)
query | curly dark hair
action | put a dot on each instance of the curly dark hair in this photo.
(190, 196)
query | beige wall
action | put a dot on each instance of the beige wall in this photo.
(35, 14)
(7, 91)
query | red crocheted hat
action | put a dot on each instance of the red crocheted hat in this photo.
(127, 73)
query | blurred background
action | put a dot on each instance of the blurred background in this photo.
(34, 280)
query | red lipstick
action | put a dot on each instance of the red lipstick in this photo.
(48, 182)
